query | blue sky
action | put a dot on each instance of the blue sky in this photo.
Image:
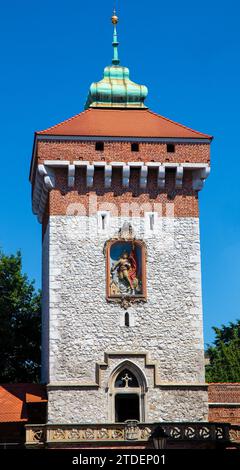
(187, 53)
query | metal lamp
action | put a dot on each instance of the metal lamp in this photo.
(159, 438)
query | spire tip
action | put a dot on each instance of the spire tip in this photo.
(114, 17)
(115, 60)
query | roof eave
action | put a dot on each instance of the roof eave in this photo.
(198, 139)
(34, 147)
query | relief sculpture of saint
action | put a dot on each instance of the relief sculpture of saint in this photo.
(125, 269)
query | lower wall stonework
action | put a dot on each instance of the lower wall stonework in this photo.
(89, 406)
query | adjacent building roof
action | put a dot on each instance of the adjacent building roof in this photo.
(122, 123)
(13, 399)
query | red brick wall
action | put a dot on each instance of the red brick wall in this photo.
(224, 393)
(121, 151)
(224, 414)
(181, 203)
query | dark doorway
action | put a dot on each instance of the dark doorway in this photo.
(126, 407)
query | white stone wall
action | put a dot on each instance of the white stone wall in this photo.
(87, 406)
(45, 308)
(83, 325)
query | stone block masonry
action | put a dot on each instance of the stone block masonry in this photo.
(83, 327)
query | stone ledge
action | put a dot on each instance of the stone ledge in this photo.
(65, 385)
(122, 354)
(37, 435)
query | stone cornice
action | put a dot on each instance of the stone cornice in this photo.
(149, 363)
(90, 385)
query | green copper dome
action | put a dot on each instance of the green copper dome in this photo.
(116, 90)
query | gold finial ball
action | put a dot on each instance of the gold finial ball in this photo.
(114, 19)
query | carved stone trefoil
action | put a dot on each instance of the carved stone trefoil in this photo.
(131, 430)
(103, 434)
(59, 435)
(118, 434)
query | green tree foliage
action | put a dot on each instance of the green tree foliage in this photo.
(224, 355)
(20, 323)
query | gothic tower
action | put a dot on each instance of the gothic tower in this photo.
(116, 191)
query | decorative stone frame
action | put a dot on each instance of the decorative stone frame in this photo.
(126, 299)
(141, 390)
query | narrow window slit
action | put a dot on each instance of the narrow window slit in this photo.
(127, 319)
(135, 147)
(103, 218)
(99, 146)
(151, 221)
(170, 148)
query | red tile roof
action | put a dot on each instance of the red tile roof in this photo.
(13, 399)
(122, 123)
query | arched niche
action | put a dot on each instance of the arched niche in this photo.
(126, 269)
(127, 393)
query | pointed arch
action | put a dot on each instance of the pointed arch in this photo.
(127, 402)
(134, 369)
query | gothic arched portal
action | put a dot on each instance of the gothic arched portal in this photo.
(127, 390)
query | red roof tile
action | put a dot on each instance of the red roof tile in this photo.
(122, 123)
(13, 399)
